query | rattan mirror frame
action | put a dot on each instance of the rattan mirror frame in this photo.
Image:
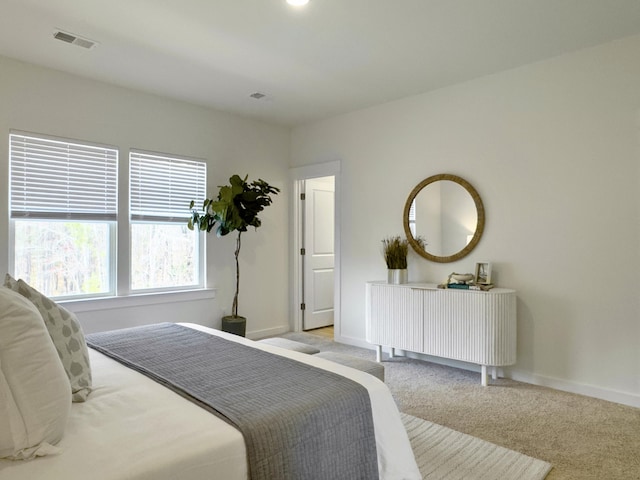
(479, 209)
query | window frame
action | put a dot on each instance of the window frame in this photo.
(163, 219)
(112, 224)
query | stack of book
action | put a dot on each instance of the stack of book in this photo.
(468, 286)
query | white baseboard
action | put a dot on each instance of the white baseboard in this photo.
(267, 332)
(623, 398)
(616, 396)
(354, 342)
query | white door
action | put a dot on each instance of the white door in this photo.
(319, 255)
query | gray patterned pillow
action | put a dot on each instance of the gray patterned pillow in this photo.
(10, 282)
(67, 335)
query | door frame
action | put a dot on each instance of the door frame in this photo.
(297, 175)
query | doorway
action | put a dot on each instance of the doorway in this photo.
(315, 274)
(317, 252)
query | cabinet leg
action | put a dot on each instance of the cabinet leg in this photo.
(494, 373)
(378, 353)
(483, 376)
(392, 352)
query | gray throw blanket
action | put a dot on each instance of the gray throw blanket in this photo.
(299, 422)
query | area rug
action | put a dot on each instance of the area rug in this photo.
(445, 454)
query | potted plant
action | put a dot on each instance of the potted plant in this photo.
(395, 250)
(235, 210)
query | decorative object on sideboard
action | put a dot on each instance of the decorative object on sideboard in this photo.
(483, 273)
(465, 281)
(462, 277)
(461, 281)
(395, 250)
(235, 209)
(446, 209)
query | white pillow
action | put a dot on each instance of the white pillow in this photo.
(35, 398)
(67, 335)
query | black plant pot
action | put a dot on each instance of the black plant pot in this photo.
(235, 325)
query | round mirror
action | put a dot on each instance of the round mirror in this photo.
(443, 218)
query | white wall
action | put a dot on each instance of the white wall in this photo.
(552, 149)
(40, 100)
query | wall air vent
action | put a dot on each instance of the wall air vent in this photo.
(74, 39)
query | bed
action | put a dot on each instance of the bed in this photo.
(131, 427)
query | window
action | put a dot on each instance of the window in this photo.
(63, 202)
(165, 254)
(63, 218)
(412, 218)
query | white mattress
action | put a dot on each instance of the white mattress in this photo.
(133, 428)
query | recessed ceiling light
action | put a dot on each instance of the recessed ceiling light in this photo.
(297, 3)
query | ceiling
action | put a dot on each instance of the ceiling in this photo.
(328, 58)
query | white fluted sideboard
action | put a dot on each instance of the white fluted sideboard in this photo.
(467, 325)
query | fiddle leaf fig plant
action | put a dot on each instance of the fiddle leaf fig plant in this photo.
(235, 209)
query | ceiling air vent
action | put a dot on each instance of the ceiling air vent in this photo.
(74, 39)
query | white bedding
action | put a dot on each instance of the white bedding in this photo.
(133, 428)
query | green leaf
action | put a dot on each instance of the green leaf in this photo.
(236, 208)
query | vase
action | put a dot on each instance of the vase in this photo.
(397, 276)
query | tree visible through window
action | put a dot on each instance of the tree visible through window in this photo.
(63, 258)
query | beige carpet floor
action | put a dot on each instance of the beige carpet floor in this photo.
(582, 437)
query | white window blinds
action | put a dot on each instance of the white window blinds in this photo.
(162, 187)
(57, 179)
